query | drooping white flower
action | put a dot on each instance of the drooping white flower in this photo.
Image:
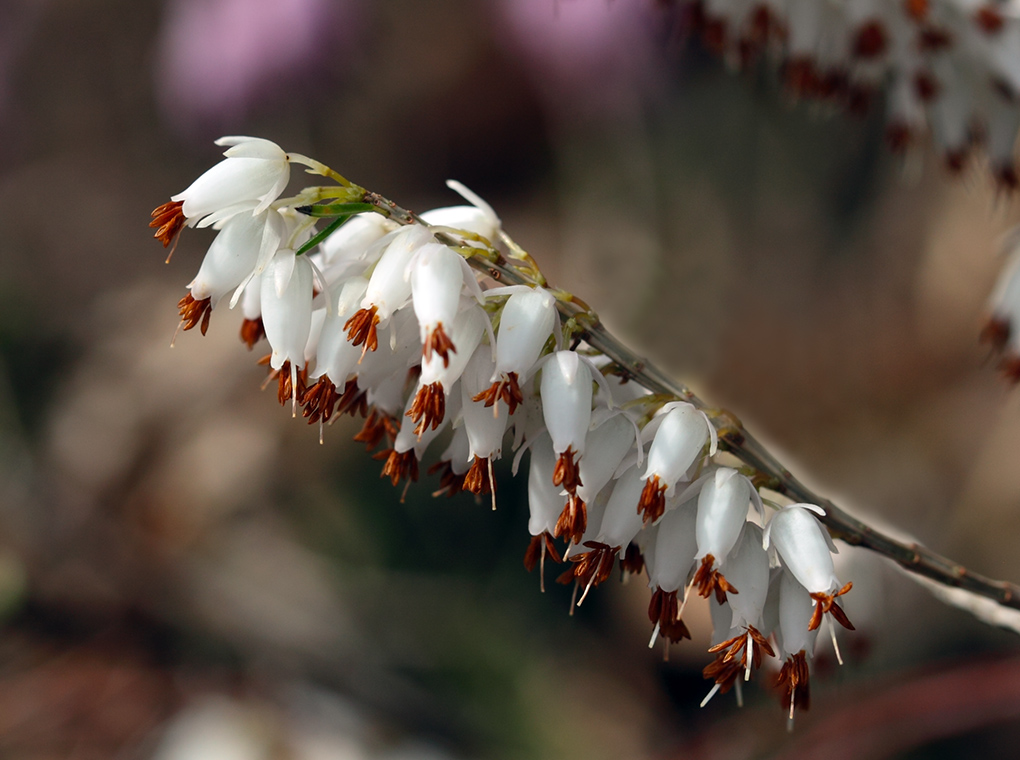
(286, 299)
(605, 449)
(722, 512)
(525, 324)
(678, 442)
(806, 550)
(251, 177)
(388, 287)
(437, 278)
(566, 407)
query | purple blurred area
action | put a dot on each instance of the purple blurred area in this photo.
(185, 573)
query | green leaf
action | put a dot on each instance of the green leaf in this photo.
(323, 234)
(335, 209)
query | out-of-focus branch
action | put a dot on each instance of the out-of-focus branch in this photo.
(912, 557)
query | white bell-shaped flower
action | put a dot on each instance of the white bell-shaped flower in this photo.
(525, 324)
(678, 442)
(335, 357)
(604, 451)
(437, 278)
(722, 512)
(747, 568)
(439, 376)
(286, 300)
(675, 546)
(484, 429)
(351, 243)
(388, 288)
(566, 407)
(796, 641)
(806, 550)
(251, 177)
(621, 522)
(234, 252)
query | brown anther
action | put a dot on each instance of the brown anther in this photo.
(870, 40)
(361, 328)
(168, 220)
(508, 390)
(793, 682)
(926, 86)
(285, 390)
(916, 9)
(827, 603)
(534, 551)
(567, 474)
(437, 341)
(933, 38)
(428, 408)
(353, 400)
(476, 479)
(709, 580)
(594, 567)
(450, 483)
(989, 19)
(653, 500)
(633, 561)
(664, 610)
(573, 520)
(319, 401)
(728, 651)
(378, 425)
(194, 312)
(398, 465)
(252, 331)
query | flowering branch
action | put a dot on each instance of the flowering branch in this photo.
(912, 557)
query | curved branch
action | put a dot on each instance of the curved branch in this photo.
(912, 557)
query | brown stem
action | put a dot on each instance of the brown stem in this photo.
(912, 557)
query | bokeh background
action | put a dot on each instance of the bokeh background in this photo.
(186, 574)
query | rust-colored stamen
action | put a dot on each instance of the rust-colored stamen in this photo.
(192, 312)
(567, 473)
(477, 480)
(439, 342)
(633, 561)
(664, 611)
(793, 683)
(361, 328)
(450, 483)
(827, 603)
(734, 652)
(252, 331)
(508, 390)
(709, 580)
(398, 465)
(285, 390)
(594, 567)
(378, 425)
(319, 401)
(653, 500)
(168, 220)
(428, 408)
(573, 520)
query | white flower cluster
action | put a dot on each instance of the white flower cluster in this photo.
(389, 321)
(950, 68)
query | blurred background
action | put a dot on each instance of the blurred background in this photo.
(186, 574)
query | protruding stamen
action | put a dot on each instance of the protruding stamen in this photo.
(827, 603)
(573, 520)
(792, 682)
(450, 483)
(170, 220)
(361, 328)
(478, 479)
(194, 312)
(709, 580)
(439, 342)
(653, 500)
(377, 425)
(428, 408)
(252, 331)
(398, 465)
(567, 473)
(508, 390)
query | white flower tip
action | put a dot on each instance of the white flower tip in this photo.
(473, 198)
